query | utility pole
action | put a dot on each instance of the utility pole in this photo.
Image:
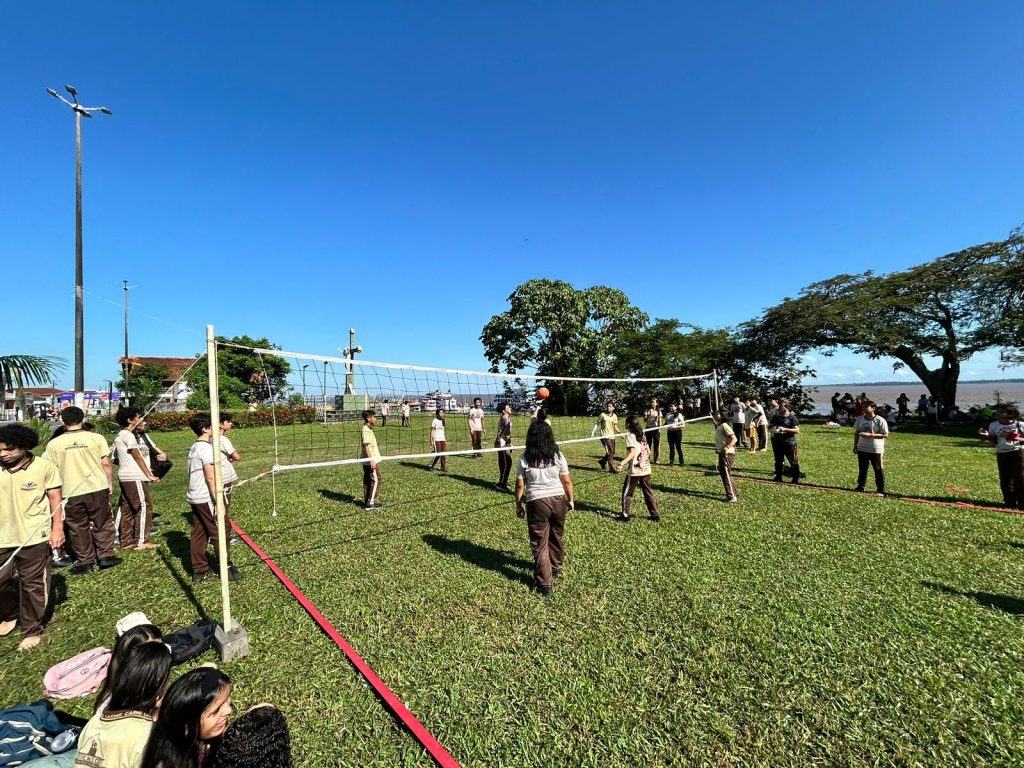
(124, 367)
(80, 112)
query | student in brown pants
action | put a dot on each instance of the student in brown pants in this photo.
(725, 447)
(134, 476)
(544, 494)
(438, 444)
(637, 465)
(202, 492)
(31, 522)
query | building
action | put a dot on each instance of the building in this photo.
(175, 392)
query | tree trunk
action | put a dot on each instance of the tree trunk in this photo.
(941, 381)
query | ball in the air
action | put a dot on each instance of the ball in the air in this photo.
(543, 393)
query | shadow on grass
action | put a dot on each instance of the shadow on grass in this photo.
(341, 498)
(687, 492)
(175, 541)
(477, 481)
(58, 595)
(1006, 603)
(505, 563)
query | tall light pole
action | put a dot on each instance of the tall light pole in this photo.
(79, 111)
(304, 383)
(124, 367)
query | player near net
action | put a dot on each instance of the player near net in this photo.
(371, 469)
(475, 422)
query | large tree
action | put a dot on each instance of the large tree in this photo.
(930, 318)
(558, 330)
(144, 385)
(244, 376)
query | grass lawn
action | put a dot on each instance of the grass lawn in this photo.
(799, 627)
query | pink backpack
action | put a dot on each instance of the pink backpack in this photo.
(80, 675)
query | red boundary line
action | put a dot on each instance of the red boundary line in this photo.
(398, 709)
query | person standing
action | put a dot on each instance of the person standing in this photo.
(637, 464)
(725, 447)
(438, 444)
(902, 404)
(836, 405)
(737, 410)
(676, 424)
(31, 523)
(202, 497)
(652, 428)
(760, 426)
(922, 406)
(385, 409)
(83, 460)
(544, 494)
(785, 428)
(228, 457)
(608, 426)
(371, 468)
(749, 417)
(503, 440)
(475, 422)
(134, 475)
(1007, 433)
(405, 414)
(934, 412)
(870, 432)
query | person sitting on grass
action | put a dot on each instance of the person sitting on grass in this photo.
(132, 637)
(544, 493)
(31, 523)
(201, 496)
(257, 739)
(637, 466)
(117, 734)
(194, 715)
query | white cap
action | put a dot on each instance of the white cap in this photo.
(133, 619)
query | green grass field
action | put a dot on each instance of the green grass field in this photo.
(799, 627)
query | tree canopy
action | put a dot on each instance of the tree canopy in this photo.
(930, 318)
(144, 384)
(244, 376)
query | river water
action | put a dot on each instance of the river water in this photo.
(968, 394)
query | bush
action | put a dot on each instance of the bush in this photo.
(170, 421)
(282, 414)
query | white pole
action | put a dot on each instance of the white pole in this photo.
(717, 403)
(222, 543)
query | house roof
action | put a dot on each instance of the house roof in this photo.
(174, 365)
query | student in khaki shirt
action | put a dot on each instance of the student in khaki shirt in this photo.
(83, 459)
(371, 469)
(31, 522)
(608, 424)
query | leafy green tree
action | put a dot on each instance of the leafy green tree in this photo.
(558, 330)
(144, 385)
(930, 318)
(244, 376)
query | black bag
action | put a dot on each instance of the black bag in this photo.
(159, 468)
(191, 641)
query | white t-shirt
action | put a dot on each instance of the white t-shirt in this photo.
(476, 419)
(437, 431)
(405, 409)
(543, 482)
(640, 465)
(384, 409)
(227, 468)
(879, 426)
(737, 409)
(653, 418)
(127, 468)
(1002, 431)
(200, 455)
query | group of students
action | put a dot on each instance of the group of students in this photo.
(141, 722)
(59, 504)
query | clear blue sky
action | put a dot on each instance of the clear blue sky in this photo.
(291, 170)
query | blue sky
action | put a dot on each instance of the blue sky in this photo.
(293, 170)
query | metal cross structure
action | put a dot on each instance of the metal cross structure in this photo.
(80, 112)
(350, 353)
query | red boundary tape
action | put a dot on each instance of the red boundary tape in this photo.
(398, 709)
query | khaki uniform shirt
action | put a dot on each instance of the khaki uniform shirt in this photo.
(79, 456)
(24, 506)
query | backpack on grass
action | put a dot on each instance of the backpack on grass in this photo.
(78, 676)
(191, 641)
(27, 732)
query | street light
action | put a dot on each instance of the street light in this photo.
(79, 111)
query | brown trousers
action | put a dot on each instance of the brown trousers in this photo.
(725, 462)
(136, 510)
(609, 453)
(631, 483)
(504, 467)
(1011, 478)
(25, 601)
(204, 530)
(440, 446)
(476, 438)
(371, 483)
(90, 526)
(654, 442)
(545, 519)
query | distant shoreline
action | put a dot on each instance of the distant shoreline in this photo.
(915, 382)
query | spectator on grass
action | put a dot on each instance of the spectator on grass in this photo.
(83, 459)
(134, 475)
(503, 440)
(228, 457)
(544, 493)
(869, 435)
(257, 739)
(737, 410)
(371, 467)
(760, 426)
(385, 410)
(836, 405)
(676, 424)
(31, 523)
(922, 406)
(934, 412)
(202, 497)
(126, 641)
(749, 417)
(608, 426)
(116, 735)
(725, 447)
(785, 427)
(1007, 433)
(406, 410)
(194, 714)
(903, 404)
(652, 431)
(475, 424)
(637, 466)
(438, 443)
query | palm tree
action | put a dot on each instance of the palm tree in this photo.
(19, 370)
